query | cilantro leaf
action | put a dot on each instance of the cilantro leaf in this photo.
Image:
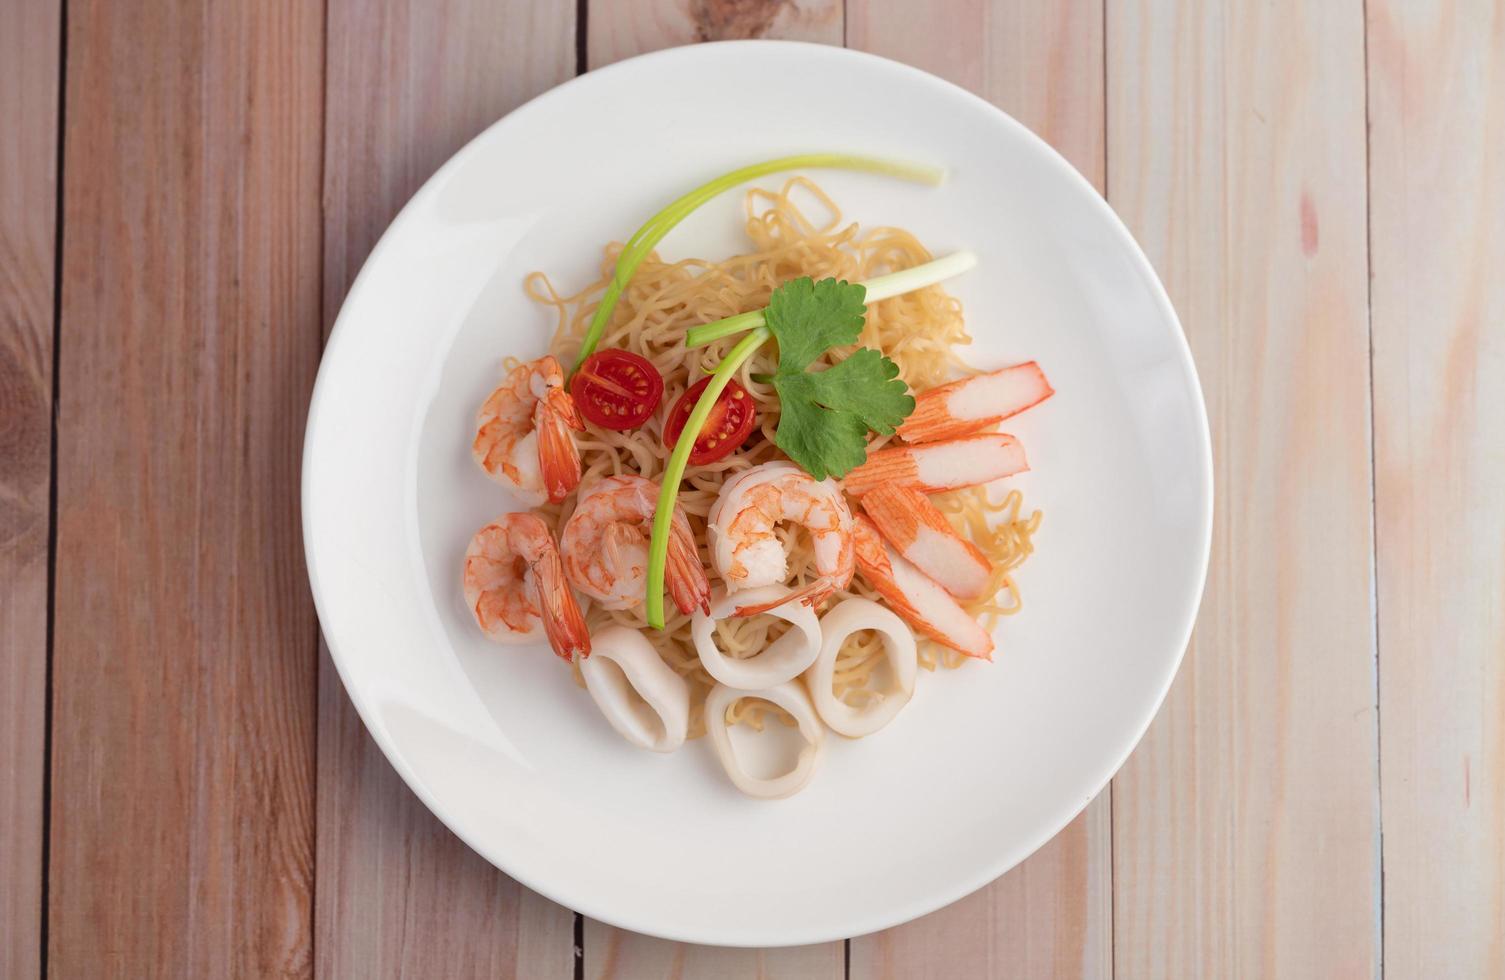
(866, 385)
(825, 416)
(822, 443)
(808, 318)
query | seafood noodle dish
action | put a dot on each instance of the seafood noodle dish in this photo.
(766, 489)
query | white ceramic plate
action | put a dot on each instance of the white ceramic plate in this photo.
(988, 762)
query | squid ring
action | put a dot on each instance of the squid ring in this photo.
(792, 698)
(641, 696)
(782, 660)
(836, 625)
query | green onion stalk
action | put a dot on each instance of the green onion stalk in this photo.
(641, 243)
(674, 470)
(883, 287)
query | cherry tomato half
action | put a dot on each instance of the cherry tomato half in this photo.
(726, 428)
(616, 389)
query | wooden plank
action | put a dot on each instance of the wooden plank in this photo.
(1437, 212)
(618, 29)
(28, 178)
(1051, 916)
(1041, 63)
(616, 954)
(182, 821)
(401, 896)
(408, 83)
(1246, 824)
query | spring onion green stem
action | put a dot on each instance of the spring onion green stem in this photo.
(708, 333)
(883, 287)
(908, 280)
(674, 472)
(641, 243)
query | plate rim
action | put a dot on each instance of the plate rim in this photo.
(985, 872)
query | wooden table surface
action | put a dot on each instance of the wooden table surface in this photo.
(187, 189)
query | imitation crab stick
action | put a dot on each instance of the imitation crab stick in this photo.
(916, 597)
(973, 404)
(936, 466)
(920, 532)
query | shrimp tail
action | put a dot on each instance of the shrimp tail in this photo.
(562, 404)
(558, 459)
(811, 595)
(683, 573)
(563, 622)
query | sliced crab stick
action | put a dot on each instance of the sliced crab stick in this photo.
(972, 404)
(916, 597)
(921, 533)
(640, 695)
(936, 466)
(841, 621)
(783, 660)
(792, 698)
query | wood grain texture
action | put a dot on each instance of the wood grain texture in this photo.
(408, 83)
(1051, 916)
(182, 820)
(1437, 163)
(188, 804)
(1246, 823)
(401, 896)
(615, 954)
(618, 29)
(28, 177)
(1042, 63)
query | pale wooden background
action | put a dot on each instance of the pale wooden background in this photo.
(187, 189)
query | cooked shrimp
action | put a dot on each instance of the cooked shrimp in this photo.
(976, 403)
(514, 584)
(918, 599)
(920, 532)
(938, 466)
(605, 546)
(523, 436)
(747, 553)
